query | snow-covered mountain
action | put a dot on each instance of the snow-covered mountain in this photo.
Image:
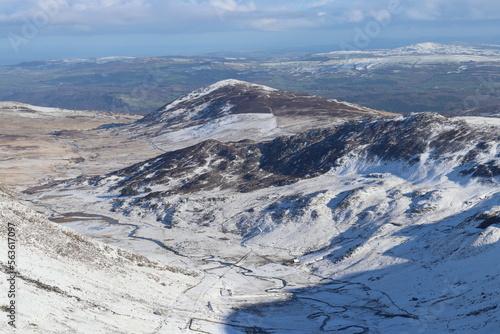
(235, 110)
(454, 58)
(430, 48)
(392, 224)
(425, 49)
(267, 212)
(420, 147)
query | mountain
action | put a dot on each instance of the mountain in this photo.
(419, 147)
(246, 209)
(427, 49)
(430, 48)
(385, 225)
(233, 110)
(415, 78)
(232, 97)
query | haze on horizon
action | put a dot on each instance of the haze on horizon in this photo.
(55, 29)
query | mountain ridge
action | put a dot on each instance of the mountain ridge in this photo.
(428, 139)
(235, 110)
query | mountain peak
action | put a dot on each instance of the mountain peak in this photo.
(428, 45)
(219, 99)
(229, 106)
(228, 85)
(430, 48)
(237, 83)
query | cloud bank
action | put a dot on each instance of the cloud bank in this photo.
(155, 16)
(35, 29)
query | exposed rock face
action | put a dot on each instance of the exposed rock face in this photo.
(412, 140)
(422, 143)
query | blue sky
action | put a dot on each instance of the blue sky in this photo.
(41, 29)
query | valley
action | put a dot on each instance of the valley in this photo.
(240, 208)
(41, 144)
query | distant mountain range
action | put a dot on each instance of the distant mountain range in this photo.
(429, 48)
(448, 79)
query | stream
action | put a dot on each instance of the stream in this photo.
(109, 220)
(248, 273)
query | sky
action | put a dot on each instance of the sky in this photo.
(56, 29)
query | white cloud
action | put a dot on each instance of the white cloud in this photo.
(319, 3)
(233, 5)
(452, 9)
(355, 16)
(162, 16)
(285, 24)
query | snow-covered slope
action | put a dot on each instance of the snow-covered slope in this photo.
(31, 111)
(425, 49)
(418, 56)
(436, 48)
(235, 110)
(67, 283)
(398, 217)
(418, 147)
